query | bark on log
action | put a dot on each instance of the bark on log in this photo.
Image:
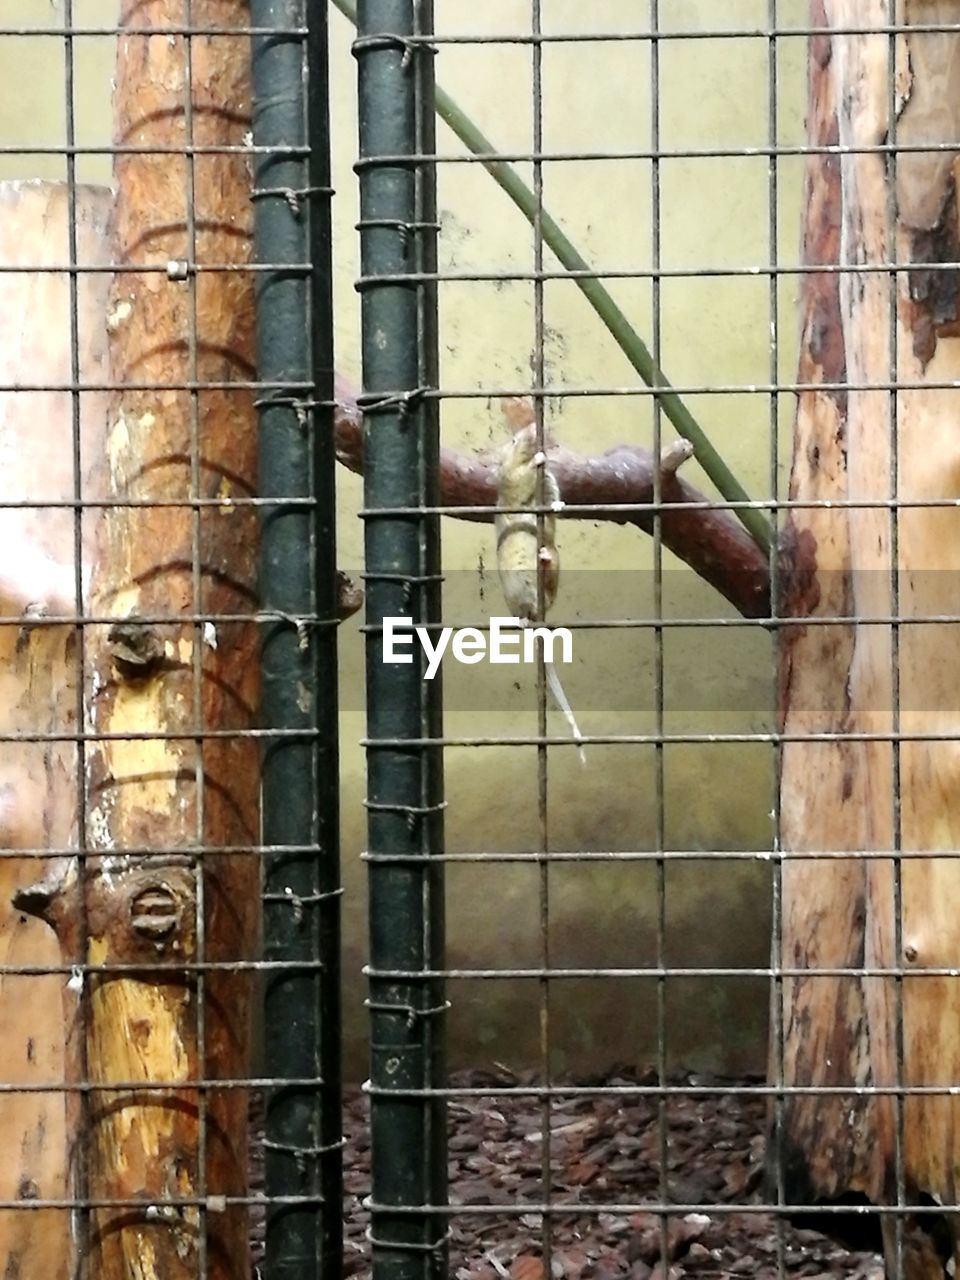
(157, 1140)
(839, 795)
(39, 781)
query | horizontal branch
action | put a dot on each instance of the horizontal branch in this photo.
(711, 542)
(596, 293)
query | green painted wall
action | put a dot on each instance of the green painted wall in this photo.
(716, 332)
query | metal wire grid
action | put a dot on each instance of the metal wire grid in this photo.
(292, 198)
(546, 974)
(299, 1081)
(402, 573)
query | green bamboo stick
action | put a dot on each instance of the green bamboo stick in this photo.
(596, 293)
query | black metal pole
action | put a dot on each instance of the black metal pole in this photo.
(292, 200)
(404, 778)
(327, 757)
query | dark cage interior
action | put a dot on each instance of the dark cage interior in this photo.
(478, 744)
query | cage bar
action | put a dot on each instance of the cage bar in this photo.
(404, 761)
(298, 582)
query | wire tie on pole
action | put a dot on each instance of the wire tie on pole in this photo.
(303, 900)
(374, 402)
(420, 811)
(390, 40)
(377, 1006)
(301, 405)
(401, 1245)
(294, 196)
(405, 229)
(302, 625)
(307, 1153)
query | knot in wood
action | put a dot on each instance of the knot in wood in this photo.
(155, 912)
(135, 648)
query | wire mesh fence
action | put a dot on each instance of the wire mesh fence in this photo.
(657, 942)
(661, 163)
(171, 986)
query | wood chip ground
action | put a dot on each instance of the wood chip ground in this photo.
(606, 1151)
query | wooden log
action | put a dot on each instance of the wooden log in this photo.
(866, 445)
(174, 795)
(39, 781)
(155, 893)
(823, 785)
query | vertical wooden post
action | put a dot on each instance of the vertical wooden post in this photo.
(866, 209)
(167, 896)
(39, 693)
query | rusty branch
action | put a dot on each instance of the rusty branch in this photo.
(714, 544)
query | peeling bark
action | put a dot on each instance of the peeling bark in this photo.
(839, 795)
(823, 783)
(156, 1028)
(38, 686)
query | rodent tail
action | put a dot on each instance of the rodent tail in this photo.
(556, 688)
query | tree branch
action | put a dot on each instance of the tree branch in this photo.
(715, 545)
(599, 297)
